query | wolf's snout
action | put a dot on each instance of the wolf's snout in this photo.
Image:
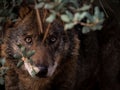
(43, 71)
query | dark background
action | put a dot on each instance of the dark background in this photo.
(115, 5)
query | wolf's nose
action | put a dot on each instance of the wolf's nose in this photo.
(43, 71)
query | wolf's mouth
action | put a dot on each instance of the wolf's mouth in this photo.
(40, 71)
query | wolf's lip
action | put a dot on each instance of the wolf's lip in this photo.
(36, 71)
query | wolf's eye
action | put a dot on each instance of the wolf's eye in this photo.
(28, 40)
(52, 39)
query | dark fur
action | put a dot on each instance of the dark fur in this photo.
(85, 62)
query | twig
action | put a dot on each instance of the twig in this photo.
(101, 3)
(30, 67)
(46, 32)
(39, 19)
(89, 24)
(45, 14)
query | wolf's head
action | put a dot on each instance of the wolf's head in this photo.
(51, 52)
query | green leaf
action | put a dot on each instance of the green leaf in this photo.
(60, 7)
(90, 17)
(72, 2)
(58, 1)
(65, 18)
(31, 61)
(51, 18)
(69, 14)
(2, 72)
(96, 11)
(30, 53)
(20, 63)
(17, 56)
(49, 6)
(5, 70)
(2, 81)
(91, 1)
(79, 16)
(85, 30)
(40, 0)
(22, 48)
(84, 8)
(69, 26)
(19, 1)
(40, 5)
(2, 61)
(33, 73)
(96, 27)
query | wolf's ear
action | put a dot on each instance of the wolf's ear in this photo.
(23, 11)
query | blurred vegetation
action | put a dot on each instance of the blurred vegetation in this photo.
(71, 12)
(3, 70)
(7, 8)
(24, 58)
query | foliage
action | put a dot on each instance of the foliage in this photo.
(3, 70)
(71, 13)
(7, 8)
(25, 58)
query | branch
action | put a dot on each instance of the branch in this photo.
(39, 19)
(46, 32)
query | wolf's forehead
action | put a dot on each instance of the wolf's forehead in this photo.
(24, 29)
(32, 28)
